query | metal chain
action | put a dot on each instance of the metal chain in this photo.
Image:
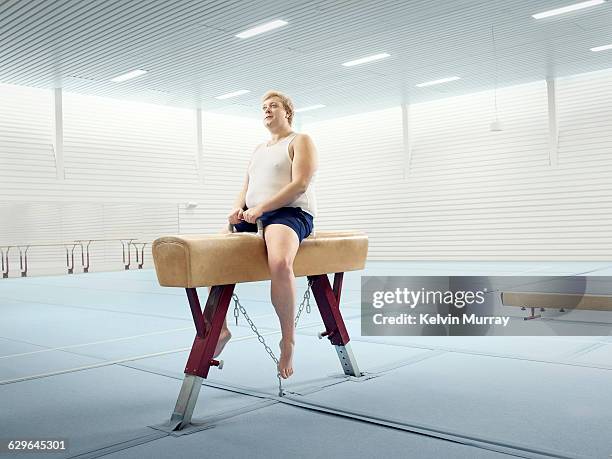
(305, 300)
(261, 340)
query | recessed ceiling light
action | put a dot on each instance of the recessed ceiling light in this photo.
(601, 48)
(363, 60)
(443, 80)
(262, 28)
(567, 9)
(310, 107)
(128, 76)
(232, 94)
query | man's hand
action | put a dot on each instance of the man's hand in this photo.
(251, 215)
(236, 216)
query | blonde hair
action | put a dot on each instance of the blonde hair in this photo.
(285, 100)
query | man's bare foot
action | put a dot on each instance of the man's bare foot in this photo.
(224, 337)
(285, 363)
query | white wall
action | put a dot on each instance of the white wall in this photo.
(469, 193)
(129, 170)
(462, 192)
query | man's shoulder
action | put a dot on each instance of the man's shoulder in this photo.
(303, 138)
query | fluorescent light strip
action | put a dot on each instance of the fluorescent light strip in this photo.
(310, 107)
(128, 76)
(262, 28)
(232, 94)
(601, 48)
(567, 9)
(363, 60)
(443, 80)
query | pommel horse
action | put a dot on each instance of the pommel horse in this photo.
(224, 260)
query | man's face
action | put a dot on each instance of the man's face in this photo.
(273, 111)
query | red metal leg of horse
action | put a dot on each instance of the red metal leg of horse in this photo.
(328, 301)
(208, 327)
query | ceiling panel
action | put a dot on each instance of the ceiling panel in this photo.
(191, 54)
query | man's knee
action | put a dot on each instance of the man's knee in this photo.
(280, 266)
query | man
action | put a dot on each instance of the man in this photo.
(278, 189)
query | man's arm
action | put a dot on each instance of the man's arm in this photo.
(236, 216)
(240, 202)
(302, 170)
(241, 199)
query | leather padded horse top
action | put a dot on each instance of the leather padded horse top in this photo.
(202, 261)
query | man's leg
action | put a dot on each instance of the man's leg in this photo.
(282, 244)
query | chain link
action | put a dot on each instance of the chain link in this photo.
(305, 301)
(260, 338)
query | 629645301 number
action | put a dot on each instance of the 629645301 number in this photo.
(33, 445)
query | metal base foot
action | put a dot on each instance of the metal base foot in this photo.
(348, 361)
(533, 315)
(181, 417)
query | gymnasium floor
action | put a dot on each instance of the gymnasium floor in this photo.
(98, 359)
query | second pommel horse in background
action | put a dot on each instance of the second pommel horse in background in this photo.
(224, 260)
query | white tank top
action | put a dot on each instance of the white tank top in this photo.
(270, 170)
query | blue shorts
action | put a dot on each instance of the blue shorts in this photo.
(294, 217)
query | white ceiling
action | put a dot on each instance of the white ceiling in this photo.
(191, 54)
